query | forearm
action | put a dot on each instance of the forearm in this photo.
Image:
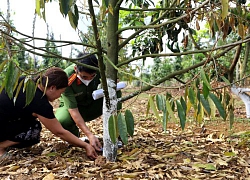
(56, 128)
(72, 139)
(82, 125)
(76, 116)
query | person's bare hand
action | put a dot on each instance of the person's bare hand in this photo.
(91, 153)
(95, 143)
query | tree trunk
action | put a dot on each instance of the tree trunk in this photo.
(234, 63)
(110, 149)
(244, 64)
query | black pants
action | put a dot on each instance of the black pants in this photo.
(27, 133)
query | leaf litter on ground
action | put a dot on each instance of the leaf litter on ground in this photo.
(199, 152)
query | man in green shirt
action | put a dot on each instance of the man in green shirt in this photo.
(77, 105)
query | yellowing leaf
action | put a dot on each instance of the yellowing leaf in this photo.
(224, 13)
(169, 155)
(49, 177)
(187, 161)
(13, 168)
(128, 175)
(169, 109)
(38, 7)
(221, 162)
(241, 30)
(229, 154)
(111, 10)
(204, 166)
(197, 25)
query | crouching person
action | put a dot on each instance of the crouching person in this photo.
(21, 123)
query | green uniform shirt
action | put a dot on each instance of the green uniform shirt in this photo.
(77, 93)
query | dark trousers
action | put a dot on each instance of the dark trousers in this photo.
(27, 133)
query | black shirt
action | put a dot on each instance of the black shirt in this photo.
(10, 111)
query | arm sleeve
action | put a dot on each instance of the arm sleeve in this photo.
(45, 110)
(69, 99)
(42, 107)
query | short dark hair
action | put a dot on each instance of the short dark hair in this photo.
(56, 77)
(90, 60)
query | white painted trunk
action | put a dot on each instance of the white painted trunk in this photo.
(240, 92)
(109, 149)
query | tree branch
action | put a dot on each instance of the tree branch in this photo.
(233, 65)
(152, 9)
(164, 23)
(184, 53)
(174, 74)
(99, 53)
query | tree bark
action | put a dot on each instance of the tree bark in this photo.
(233, 65)
(110, 149)
(244, 64)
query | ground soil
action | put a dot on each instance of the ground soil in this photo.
(206, 150)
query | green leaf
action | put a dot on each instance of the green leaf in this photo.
(168, 96)
(171, 101)
(64, 7)
(1, 68)
(97, 2)
(122, 128)
(205, 91)
(12, 76)
(225, 80)
(205, 80)
(181, 114)
(184, 105)
(30, 91)
(197, 83)
(106, 3)
(170, 111)
(191, 96)
(17, 79)
(112, 128)
(130, 122)
(153, 107)
(198, 108)
(72, 20)
(205, 104)
(2, 65)
(139, 23)
(18, 90)
(160, 102)
(218, 105)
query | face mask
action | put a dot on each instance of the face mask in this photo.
(86, 82)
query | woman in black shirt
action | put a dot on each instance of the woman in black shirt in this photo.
(19, 124)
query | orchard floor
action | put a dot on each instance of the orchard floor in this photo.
(201, 151)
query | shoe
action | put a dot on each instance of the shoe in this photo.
(119, 144)
(5, 158)
(85, 139)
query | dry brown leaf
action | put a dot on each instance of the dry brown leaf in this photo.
(50, 176)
